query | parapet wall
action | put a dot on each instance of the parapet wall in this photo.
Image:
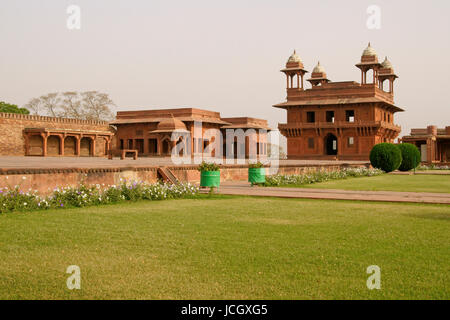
(45, 180)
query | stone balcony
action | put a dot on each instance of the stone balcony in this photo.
(339, 124)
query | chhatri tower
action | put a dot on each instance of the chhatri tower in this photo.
(339, 120)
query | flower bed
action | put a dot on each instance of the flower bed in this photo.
(320, 176)
(433, 167)
(13, 199)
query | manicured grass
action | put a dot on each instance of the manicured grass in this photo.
(228, 248)
(388, 182)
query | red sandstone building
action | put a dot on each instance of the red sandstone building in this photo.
(150, 132)
(339, 120)
(32, 135)
(433, 143)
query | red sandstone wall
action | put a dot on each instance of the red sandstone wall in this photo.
(12, 142)
(45, 180)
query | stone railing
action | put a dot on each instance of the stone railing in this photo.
(338, 124)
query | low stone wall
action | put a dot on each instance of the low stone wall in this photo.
(45, 180)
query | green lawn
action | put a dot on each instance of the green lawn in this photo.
(228, 248)
(389, 182)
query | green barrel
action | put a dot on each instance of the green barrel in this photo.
(210, 179)
(256, 175)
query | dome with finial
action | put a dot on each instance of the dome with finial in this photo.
(387, 64)
(318, 69)
(369, 51)
(294, 58)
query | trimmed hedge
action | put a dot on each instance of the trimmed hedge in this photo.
(386, 156)
(410, 156)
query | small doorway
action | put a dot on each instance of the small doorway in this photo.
(139, 146)
(331, 148)
(166, 147)
(152, 146)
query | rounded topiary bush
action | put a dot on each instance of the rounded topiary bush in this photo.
(386, 156)
(410, 156)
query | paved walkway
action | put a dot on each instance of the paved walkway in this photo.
(243, 188)
(425, 172)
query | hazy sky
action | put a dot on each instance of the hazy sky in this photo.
(221, 55)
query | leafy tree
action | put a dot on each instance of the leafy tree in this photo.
(12, 108)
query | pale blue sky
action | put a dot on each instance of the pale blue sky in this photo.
(221, 55)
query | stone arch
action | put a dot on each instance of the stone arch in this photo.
(53, 146)
(35, 145)
(70, 146)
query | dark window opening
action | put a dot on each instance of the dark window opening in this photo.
(350, 115)
(310, 116)
(130, 143)
(121, 144)
(330, 116)
(311, 143)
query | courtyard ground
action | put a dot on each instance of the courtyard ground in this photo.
(228, 248)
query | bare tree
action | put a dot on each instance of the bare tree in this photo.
(97, 105)
(71, 106)
(35, 106)
(48, 105)
(90, 105)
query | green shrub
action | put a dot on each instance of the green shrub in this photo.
(206, 166)
(386, 156)
(410, 156)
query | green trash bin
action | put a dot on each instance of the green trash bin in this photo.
(256, 175)
(210, 179)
